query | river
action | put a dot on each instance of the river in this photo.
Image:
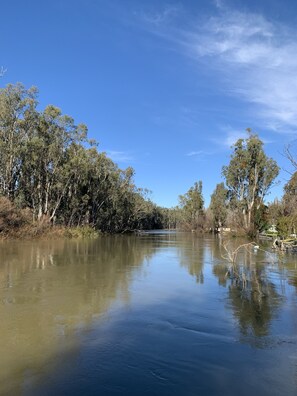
(155, 314)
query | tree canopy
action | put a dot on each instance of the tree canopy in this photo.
(249, 176)
(218, 205)
(191, 204)
(48, 165)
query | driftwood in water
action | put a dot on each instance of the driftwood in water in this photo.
(285, 244)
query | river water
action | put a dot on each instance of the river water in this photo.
(155, 314)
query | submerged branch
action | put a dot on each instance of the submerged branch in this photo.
(244, 273)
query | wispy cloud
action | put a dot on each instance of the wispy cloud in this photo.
(195, 153)
(254, 59)
(200, 154)
(229, 136)
(259, 59)
(160, 16)
(119, 156)
(219, 3)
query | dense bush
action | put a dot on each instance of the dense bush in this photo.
(11, 218)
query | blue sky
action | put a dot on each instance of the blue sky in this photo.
(164, 86)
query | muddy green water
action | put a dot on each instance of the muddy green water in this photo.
(145, 315)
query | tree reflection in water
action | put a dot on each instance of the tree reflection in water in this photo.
(192, 255)
(49, 289)
(253, 296)
(291, 266)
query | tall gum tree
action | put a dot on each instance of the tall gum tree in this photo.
(191, 204)
(17, 110)
(249, 176)
(218, 205)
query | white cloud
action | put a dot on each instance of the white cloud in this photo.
(219, 3)
(230, 137)
(253, 58)
(233, 136)
(2, 71)
(195, 153)
(259, 60)
(200, 154)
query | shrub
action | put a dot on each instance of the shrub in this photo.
(11, 218)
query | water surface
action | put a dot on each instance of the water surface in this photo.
(151, 314)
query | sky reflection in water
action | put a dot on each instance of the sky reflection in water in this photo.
(152, 314)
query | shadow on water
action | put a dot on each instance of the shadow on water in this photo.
(49, 290)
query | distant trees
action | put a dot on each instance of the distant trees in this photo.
(48, 164)
(249, 176)
(191, 204)
(171, 217)
(219, 206)
(241, 204)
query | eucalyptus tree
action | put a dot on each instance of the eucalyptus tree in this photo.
(249, 176)
(48, 165)
(17, 118)
(287, 220)
(219, 205)
(44, 182)
(191, 204)
(89, 179)
(143, 214)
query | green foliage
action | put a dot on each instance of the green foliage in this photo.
(290, 196)
(284, 213)
(249, 176)
(287, 220)
(48, 165)
(261, 218)
(286, 225)
(171, 218)
(191, 204)
(218, 205)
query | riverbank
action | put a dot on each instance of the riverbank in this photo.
(48, 231)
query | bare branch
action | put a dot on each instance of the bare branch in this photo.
(231, 254)
(290, 156)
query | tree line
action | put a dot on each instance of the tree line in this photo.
(239, 203)
(52, 172)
